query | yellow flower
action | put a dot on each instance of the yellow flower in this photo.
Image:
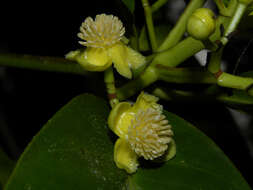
(103, 37)
(143, 131)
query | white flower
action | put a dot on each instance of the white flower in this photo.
(102, 37)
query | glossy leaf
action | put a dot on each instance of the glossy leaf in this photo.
(130, 4)
(74, 150)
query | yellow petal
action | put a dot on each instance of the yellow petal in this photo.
(171, 151)
(120, 119)
(145, 101)
(169, 154)
(91, 59)
(135, 59)
(118, 53)
(124, 157)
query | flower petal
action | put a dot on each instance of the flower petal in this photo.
(118, 53)
(124, 157)
(170, 152)
(91, 59)
(145, 101)
(120, 119)
(135, 59)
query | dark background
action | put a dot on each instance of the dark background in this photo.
(29, 98)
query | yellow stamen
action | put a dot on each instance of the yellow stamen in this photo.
(103, 32)
(149, 134)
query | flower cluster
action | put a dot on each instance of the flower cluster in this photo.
(143, 130)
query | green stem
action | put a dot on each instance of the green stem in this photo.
(215, 61)
(170, 95)
(160, 93)
(232, 81)
(150, 24)
(176, 55)
(171, 57)
(168, 74)
(157, 5)
(54, 64)
(184, 75)
(179, 29)
(234, 101)
(241, 7)
(226, 10)
(145, 79)
(110, 87)
(179, 95)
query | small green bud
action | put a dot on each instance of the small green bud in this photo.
(201, 23)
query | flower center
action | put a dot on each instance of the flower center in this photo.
(104, 31)
(149, 134)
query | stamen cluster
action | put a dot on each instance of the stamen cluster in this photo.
(149, 134)
(104, 31)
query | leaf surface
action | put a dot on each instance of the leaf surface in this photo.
(74, 150)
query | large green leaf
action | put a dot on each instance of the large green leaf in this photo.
(74, 150)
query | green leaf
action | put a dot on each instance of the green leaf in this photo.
(199, 164)
(6, 166)
(130, 5)
(74, 150)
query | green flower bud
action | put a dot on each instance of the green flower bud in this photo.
(201, 23)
